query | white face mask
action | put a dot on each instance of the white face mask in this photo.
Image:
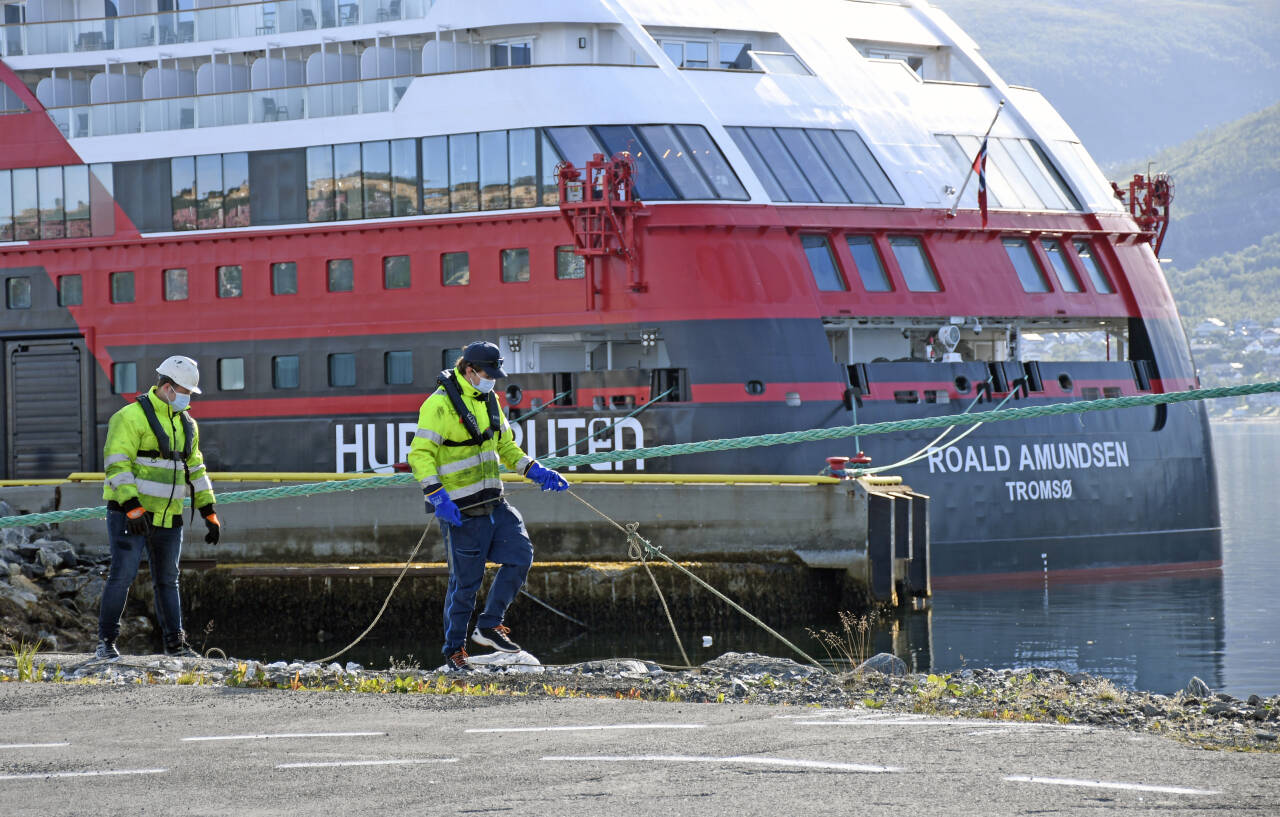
(180, 401)
(484, 385)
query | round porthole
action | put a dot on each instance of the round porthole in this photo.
(514, 395)
(755, 387)
(962, 384)
(1064, 380)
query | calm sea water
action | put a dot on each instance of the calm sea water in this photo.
(1151, 634)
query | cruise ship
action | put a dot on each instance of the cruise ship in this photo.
(678, 220)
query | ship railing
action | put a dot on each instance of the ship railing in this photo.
(232, 107)
(200, 25)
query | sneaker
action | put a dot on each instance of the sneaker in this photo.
(457, 662)
(180, 649)
(495, 637)
(106, 650)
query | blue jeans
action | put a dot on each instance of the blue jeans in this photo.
(499, 537)
(126, 553)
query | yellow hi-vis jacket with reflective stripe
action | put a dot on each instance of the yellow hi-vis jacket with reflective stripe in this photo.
(159, 484)
(468, 473)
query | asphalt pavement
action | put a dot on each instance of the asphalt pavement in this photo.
(152, 750)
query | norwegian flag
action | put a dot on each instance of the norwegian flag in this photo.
(980, 167)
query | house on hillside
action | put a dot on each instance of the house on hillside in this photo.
(1209, 327)
(1247, 326)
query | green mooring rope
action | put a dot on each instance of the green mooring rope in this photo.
(707, 446)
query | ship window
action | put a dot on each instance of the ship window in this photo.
(124, 378)
(404, 177)
(122, 287)
(463, 174)
(278, 185)
(675, 159)
(780, 62)
(495, 191)
(1024, 193)
(712, 162)
(26, 209)
(52, 219)
(348, 190)
(175, 285)
(285, 372)
(823, 263)
(687, 54)
(209, 191)
(70, 290)
(395, 272)
(10, 102)
(235, 198)
(342, 369)
(230, 281)
(811, 164)
(6, 205)
(1051, 171)
(866, 162)
(734, 55)
(320, 183)
(1061, 267)
(569, 264)
(455, 269)
(1025, 264)
(867, 259)
(758, 166)
(1100, 283)
(341, 275)
(782, 164)
(18, 292)
(917, 272)
(435, 174)
(575, 145)
(75, 179)
(550, 158)
(651, 184)
(284, 278)
(449, 358)
(182, 187)
(854, 183)
(523, 162)
(231, 374)
(514, 52)
(1028, 164)
(102, 204)
(376, 170)
(515, 265)
(398, 367)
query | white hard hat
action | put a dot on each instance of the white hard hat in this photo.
(181, 370)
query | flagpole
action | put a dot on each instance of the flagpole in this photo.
(969, 175)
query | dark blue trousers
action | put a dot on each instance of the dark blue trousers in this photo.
(126, 552)
(499, 537)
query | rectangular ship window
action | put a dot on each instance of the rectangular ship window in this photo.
(1061, 267)
(320, 183)
(342, 369)
(917, 272)
(569, 264)
(708, 157)
(651, 183)
(18, 292)
(209, 191)
(376, 168)
(70, 290)
(122, 287)
(823, 263)
(404, 177)
(230, 281)
(395, 272)
(813, 167)
(26, 205)
(182, 189)
(1084, 250)
(515, 265)
(235, 196)
(231, 374)
(464, 174)
(455, 269)
(102, 203)
(671, 154)
(124, 378)
(348, 191)
(575, 145)
(75, 180)
(285, 372)
(867, 260)
(6, 205)
(52, 217)
(758, 166)
(846, 172)
(522, 146)
(780, 161)
(449, 358)
(284, 278)
(342, 277)
(869, 166)
(734, 56)
(175, 285)
(435, 174)
(495, 191)
(278, 189)
(398, 367)
(1026, 265)
(548, 158)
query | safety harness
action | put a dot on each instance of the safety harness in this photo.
(447, 381)
(166, 451)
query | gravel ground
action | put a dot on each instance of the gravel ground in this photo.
(1195, 716)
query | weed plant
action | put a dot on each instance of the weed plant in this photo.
(852, 644)
(24, 655)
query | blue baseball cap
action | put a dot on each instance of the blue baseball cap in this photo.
(484, 356)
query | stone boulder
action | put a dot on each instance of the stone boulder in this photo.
(885, 663)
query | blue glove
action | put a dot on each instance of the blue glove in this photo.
(442, 506)
(548, 479)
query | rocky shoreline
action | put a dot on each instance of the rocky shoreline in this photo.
(1194, 715)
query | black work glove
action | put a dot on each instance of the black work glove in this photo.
(137, 522)
(211, 522)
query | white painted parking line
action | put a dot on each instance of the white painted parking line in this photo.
(331, 764)
(291, 735)
(908, 720)
(754, 760)
(51, 775)
(591, 728)
(1102, 784)
(30, 745)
